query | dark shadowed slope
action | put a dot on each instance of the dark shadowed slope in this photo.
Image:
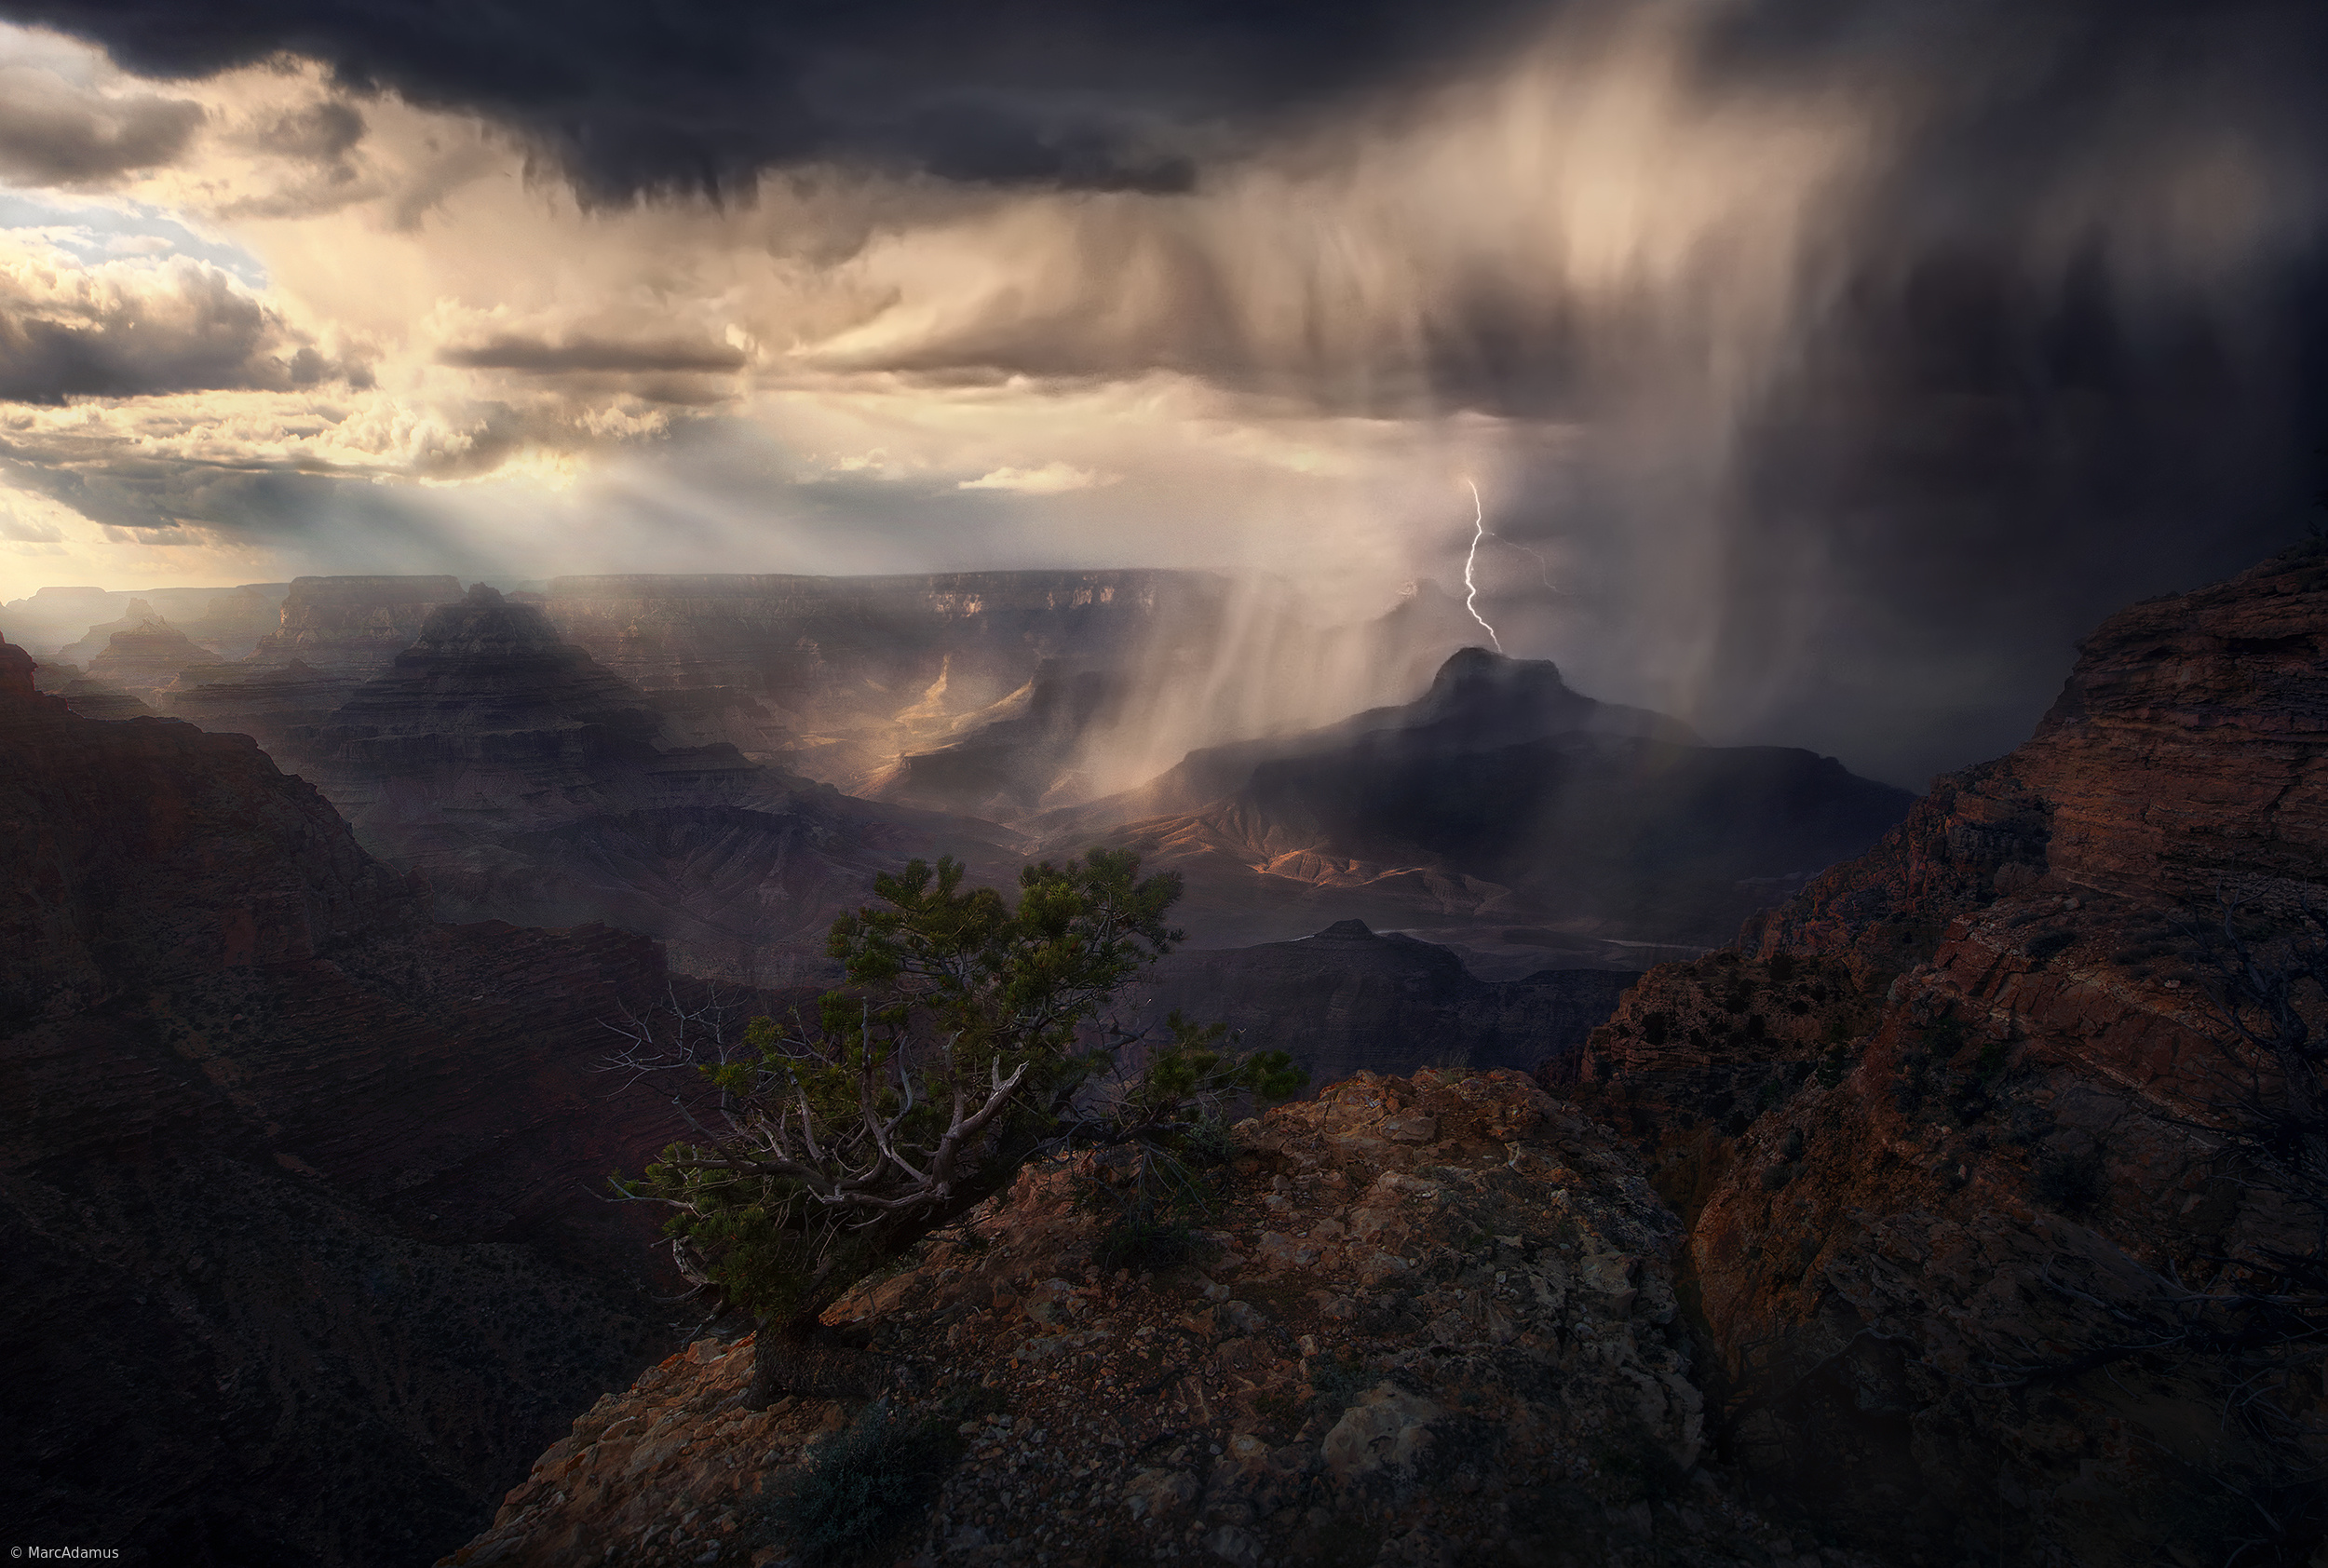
(527, 782)
(299, 1257)
(1500, 798)
(1993, 1241)
(1349, 999)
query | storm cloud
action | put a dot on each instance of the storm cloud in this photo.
(120, 329)
(628, 98)
(55, 133)
(1827, 368)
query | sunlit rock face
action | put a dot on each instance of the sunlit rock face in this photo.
(1949, 1133)
(301, 1257)
(1499, 799)
(1015, 757)
(854, 680)
(353, 625)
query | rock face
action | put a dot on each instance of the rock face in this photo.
(73, 624)
(1497, 800)
(90, 700)
(1955, 1137)
(45, 621)
(1436, 1324)
(149, 659)
(283, 707)
(527, 782)
(841, 678)
(488, 711)
(353, 625)
(1016, 757)
(98, 636)
(298, 1254)
(1347, 1000)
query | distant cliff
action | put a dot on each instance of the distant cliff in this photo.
(1498, 799)
(353, 625)
(840, 678)
(1349, 1000)
(300, 1252)
(526, 781)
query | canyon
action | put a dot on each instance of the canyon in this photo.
(1497, 801)
(309, 1173)
(1953, 1237)
(1920, 1205)
(779, 738)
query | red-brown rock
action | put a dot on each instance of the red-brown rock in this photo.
(1958, 1226)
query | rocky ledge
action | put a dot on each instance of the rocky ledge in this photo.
(1958, 1137)
(1435, 1323)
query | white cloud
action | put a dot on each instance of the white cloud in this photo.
(1051, 479)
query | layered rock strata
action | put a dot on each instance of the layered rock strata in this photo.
(1499, 799)
(90, 700)
(1958, 1136)
(1014, 758)
(150, 659)
(1349, 999)
(353, 625)
(527, 782)
(1436, 1324)
(73, 625)
(840, 678)
(283, 707)
(295, 1186)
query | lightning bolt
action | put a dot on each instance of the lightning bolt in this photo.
(1471, 589)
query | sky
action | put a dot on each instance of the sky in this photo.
(1824, 370)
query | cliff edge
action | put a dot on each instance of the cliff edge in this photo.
(1984, 1215)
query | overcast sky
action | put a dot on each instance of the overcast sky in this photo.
(1824, 368)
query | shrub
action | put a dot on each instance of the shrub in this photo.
(866, 1487)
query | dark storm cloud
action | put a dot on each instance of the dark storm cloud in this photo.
(2044, 353)
(630, 97)
(125, 332)
(54, 134)
(535, 356)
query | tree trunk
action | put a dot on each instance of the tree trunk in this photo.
(800, 1356)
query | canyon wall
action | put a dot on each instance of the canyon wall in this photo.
(1347, 1000)
(303, 1258)
(1989, 1237)
(353, 625)
(71, 624)
(841, 677)
(527, 782)
(1497, 800)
